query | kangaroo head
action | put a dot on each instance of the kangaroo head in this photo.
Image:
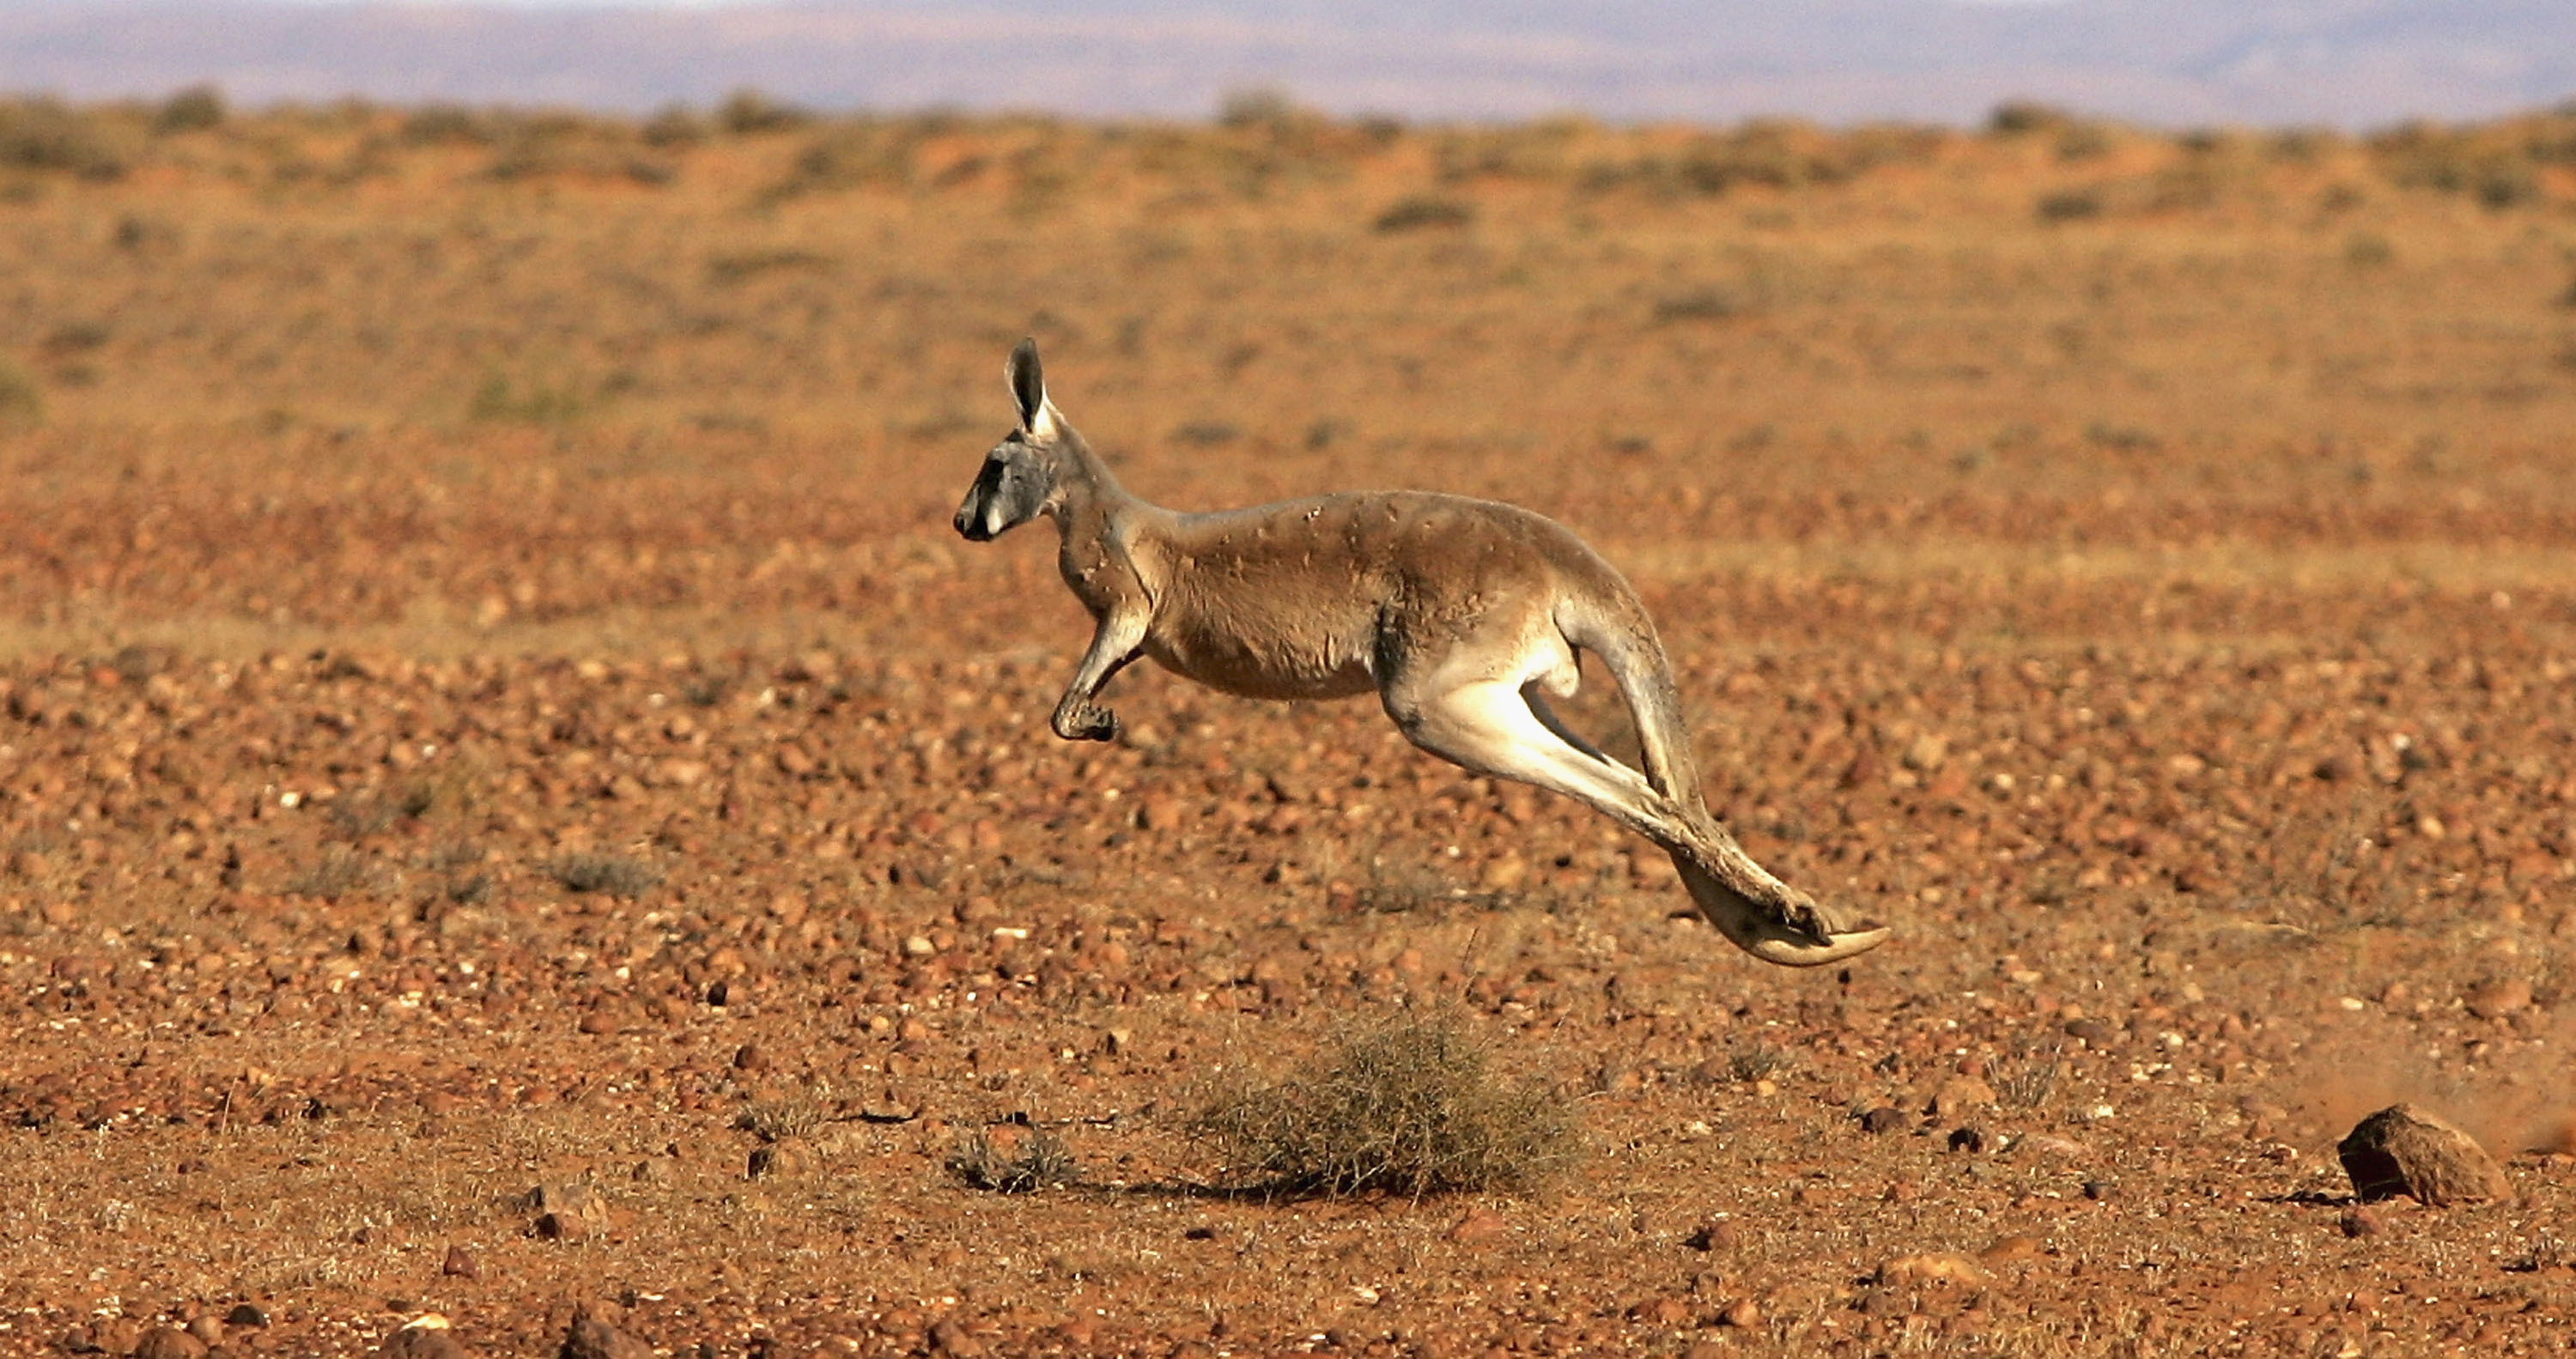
(1021, 476)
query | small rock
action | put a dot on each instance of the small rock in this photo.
(2406, 1150)
(460, 1264)
(1944, 1267)
(2098, 1191)
(2012, 1250)
(1159, 812)
(1665, 1311)
(1969, 1140)
(2359, 1222)
(1743, 1314)
(2093, 1032)
(749, 1057)
(571, 1199)
(1504, 874)
(1715, 1234)
(2048, 1144)
(595, 1334)
(1478, 1226)
(947, 1337)
(562, 1227)
(117, 1335)
(208, 1328)
(1883, 1119)
(246, 1314)
(1959, 1095)
(169, 1342)
(789, 1156)
(425, 1337)
(2500, 999)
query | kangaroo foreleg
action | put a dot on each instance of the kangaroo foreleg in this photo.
(1117, 639)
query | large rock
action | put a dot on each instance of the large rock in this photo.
(2406, 1150)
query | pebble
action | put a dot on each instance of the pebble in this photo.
(1943, 1267)
(1960, 1095)
(947, 1337)
(169, 1342)
(1883, 1119)
(460, 1264)
(2012, 1250)
(426, 1337)
(597, 1334)
(1714, 1234)
(791, 1156)
(2500, 999)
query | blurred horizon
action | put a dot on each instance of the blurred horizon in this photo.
(2345, 63)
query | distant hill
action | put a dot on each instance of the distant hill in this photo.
(2175, 62)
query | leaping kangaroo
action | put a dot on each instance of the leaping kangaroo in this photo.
(1457, 612)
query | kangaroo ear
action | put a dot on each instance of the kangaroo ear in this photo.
(1028, 387)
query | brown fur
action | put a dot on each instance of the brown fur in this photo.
(1456, 612)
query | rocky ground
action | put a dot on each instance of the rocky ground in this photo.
(583, 875)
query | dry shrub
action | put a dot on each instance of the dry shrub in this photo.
(46, 134)
(1037, 1161)
(1407, 1105)
(21, 402)
(190, 110)
(615, 874)
(1423, 211)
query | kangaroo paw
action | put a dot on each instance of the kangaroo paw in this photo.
(1782, 925)
(1088, 723)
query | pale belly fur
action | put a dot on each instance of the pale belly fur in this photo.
(1270, 667)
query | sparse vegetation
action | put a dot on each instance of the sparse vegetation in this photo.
(616, 875)
(1420, 212)
(1407, 1105)
(21, 402)
(46, 134)
(1032, 1160)
(190, 110)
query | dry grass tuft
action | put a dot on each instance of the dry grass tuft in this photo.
(618, 875)
(1037, 1161)
(1409, 1105)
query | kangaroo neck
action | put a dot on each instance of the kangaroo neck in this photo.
(1088, 498)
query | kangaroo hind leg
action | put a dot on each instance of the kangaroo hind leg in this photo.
(1492, 727)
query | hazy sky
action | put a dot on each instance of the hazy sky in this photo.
(2171, 62)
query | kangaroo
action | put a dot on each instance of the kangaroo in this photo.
(1462, 615)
